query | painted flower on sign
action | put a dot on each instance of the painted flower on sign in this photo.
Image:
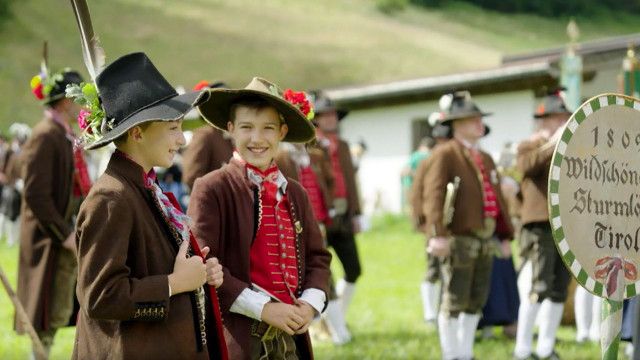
(608, 268)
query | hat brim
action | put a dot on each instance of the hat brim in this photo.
(216, 112)
(547, 114)
(449, 118)
(339, 112)
(171, 109)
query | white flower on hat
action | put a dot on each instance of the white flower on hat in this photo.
(445, 102)
(434, 117)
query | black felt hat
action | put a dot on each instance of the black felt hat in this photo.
(459, 105)
(552, 104)
(132, 91)
(322, 104)
(66, 77)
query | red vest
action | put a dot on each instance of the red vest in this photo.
(309, 181)
(274, 262)
(340, 187)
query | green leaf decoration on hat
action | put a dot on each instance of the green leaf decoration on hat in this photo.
(91, 120)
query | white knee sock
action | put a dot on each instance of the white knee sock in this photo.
(524, 281)
(594, 331)
(448, 331)
(583, 310)
(430, 294)
(466, 334)
(345, 291)
(335, 322)
(526, 321)
(548, 329)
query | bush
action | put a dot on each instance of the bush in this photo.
(391, 6)
(552, 8)
(5, 10)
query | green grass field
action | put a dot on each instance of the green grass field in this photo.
(385, 317)
(299, 44)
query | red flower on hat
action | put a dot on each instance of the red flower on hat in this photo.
(37, 87)
(299, 100)
(203, 84)
(83, 120)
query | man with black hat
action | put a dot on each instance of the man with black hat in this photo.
(346, 202)
(429, 290)
(466, 244)
(550, 277)
(209, 149)
(55, 181)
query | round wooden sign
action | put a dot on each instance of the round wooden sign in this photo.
(594, 195)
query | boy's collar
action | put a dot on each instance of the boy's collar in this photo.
(257, 176)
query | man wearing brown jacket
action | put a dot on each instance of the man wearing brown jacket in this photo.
(550, 277)
(346, 203)
(52, 193)
(466, 245)
(429, 289)
(208, 150)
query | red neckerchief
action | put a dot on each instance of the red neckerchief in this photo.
(266, 180)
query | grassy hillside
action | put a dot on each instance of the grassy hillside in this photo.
(297, 43)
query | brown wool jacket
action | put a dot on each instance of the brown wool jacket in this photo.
(416, 198)
(534, 163)
(125, 253)
(448, 161)
(207, 151)
(46, 212)
(224, 213)
(349, 173)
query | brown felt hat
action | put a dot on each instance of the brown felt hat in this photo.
(301, 130)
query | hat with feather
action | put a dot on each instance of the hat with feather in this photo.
(552, 104)
(458, 105)
(126, 93)
(48, 86)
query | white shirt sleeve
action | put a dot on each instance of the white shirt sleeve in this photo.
(314, 297)
(250, 303)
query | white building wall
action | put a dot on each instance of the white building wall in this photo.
(387, 133)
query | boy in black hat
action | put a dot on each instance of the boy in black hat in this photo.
(261, 225)
(141, 272)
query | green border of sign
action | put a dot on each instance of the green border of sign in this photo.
(589, 107)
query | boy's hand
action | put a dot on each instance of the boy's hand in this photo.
(307, 312)
(188, 273)
(214, 269)
(214, 272)
(283, 316)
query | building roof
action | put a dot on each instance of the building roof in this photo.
(501, 79)
(614, 47)
(530, 70)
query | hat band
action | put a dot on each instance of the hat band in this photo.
(146, 107)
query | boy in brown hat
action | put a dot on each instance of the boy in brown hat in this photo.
(466, 244)
(261, 225)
